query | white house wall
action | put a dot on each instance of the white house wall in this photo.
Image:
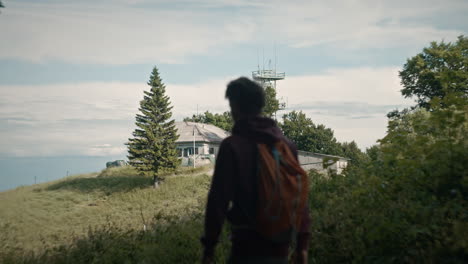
(203, 152)
(310, 160)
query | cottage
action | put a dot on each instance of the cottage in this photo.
(198, 138)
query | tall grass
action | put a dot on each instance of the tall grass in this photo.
(60, 220)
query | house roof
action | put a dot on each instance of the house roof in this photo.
(320, 155)
(203, 132)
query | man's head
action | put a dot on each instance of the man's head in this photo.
(246, 98)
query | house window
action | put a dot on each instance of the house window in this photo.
(179, 152)
(189, 151)
(211, 150)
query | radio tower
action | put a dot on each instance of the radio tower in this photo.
(268, 77)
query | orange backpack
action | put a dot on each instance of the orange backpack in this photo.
(282, 193)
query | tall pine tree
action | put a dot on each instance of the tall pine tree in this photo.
(152, 149)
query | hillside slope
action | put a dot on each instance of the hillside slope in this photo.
(60, 213)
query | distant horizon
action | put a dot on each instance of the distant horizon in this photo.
(21, 171)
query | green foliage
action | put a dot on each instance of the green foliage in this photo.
(436, 141)
(152, 148)
(375, 158)
(407, 203)
(307, 136)
(223, 120)
(439, 70)
(351, 151)
(272, 105)
(374, 153)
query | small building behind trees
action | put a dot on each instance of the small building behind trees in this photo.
(322, 162)
(200, 139)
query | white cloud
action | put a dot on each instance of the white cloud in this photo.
(67, 119)
(354, 25)
(123, 32)
(379, 86)
(55, 102)
(105, 150)
(207, 96)
(364, 131)
(98, 118)
(113, 35)
(326, 97)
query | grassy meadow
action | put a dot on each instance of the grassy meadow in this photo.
(65, 220)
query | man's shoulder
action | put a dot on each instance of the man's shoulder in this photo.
(236, 142)
(230, 141)
(227, 140)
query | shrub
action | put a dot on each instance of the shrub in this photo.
(408, 205)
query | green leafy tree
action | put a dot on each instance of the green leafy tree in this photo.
(351, 151)
(439, 69)
(429, 147)
(223, 120)
(272, 104)
(307, 136)
(152, 149)
(374, 155)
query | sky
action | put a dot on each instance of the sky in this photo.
(72, 73)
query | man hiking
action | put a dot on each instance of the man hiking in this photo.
(258, 186)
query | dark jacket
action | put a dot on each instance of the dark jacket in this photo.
(234, 180)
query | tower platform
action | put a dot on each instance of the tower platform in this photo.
(268, 75)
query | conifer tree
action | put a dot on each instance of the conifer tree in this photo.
(152, 149)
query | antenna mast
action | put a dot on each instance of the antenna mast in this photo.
(268, 77)
(275, 56)
(258, 61)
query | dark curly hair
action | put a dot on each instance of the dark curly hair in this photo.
(247, 94)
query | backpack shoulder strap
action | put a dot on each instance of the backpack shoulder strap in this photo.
(288, 159)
